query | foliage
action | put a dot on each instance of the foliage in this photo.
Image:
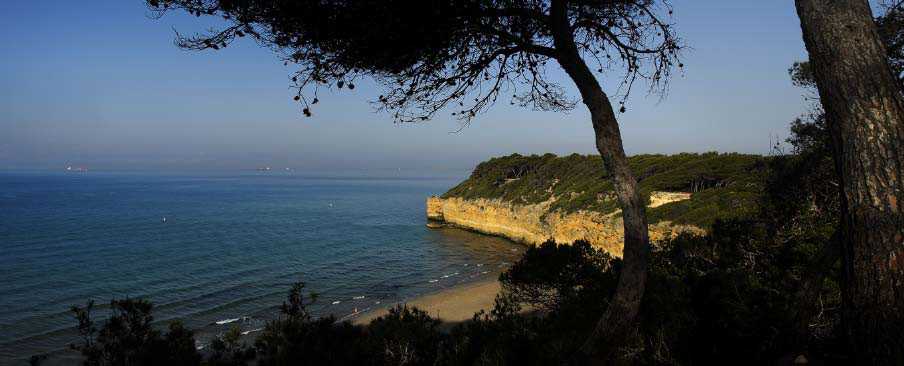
(503, 337)
(430, 55)
(296, 338)
(732, 291)
(724, 297)
(802, 191)
(127, 337)
(550, 275)
(406, 336)
(229, 349)
(891, 30)
(724, 185)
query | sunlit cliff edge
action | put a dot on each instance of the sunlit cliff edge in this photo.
(532, 199)
(530, 223)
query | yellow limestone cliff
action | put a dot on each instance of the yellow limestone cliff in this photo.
(534, 224)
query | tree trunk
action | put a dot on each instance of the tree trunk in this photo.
(615, 325)
(865, 113)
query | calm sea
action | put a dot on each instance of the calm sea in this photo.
(226, 253)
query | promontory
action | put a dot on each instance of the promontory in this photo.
(532, 199)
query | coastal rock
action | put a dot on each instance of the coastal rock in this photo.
(534, 223)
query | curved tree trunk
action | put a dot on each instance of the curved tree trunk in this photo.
(865, 113)
(614, 326)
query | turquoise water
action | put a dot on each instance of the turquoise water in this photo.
(225, 255)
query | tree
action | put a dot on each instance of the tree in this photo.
(406, 336)
(296, 338)
(864, 109)
(550, 277)
(890, 26)
(127, 337)
(465, 55)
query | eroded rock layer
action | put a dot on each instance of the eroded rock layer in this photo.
(535, 223)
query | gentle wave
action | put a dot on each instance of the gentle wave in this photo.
(232, 320)
(227, 256)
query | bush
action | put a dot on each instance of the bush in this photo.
(405, 336)
(728, 296)
(295, 338)
(551, 276)
(127, 337)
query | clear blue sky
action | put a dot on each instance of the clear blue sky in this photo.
(99, 83)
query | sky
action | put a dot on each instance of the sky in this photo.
(100, 84)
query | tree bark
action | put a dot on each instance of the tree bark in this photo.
(615, 325)
(865, 113)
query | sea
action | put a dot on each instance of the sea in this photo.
(218, 250)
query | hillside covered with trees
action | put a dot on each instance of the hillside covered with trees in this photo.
(721, 185)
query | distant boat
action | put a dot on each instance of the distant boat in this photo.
(164, 218)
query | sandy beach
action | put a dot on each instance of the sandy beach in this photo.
(454, 304)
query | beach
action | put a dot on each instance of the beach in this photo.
(450, 305)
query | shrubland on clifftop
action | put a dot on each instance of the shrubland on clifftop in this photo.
(532, 199)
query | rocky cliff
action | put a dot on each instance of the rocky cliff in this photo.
(534, 224)
(537, 198)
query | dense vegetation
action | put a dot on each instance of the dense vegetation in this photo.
(724, 185)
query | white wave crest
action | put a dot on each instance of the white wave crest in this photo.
(247, 332)
(227, 321)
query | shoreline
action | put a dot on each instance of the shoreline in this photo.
(454, 304)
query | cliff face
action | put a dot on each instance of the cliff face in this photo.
(535, 198)
(535, 223)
